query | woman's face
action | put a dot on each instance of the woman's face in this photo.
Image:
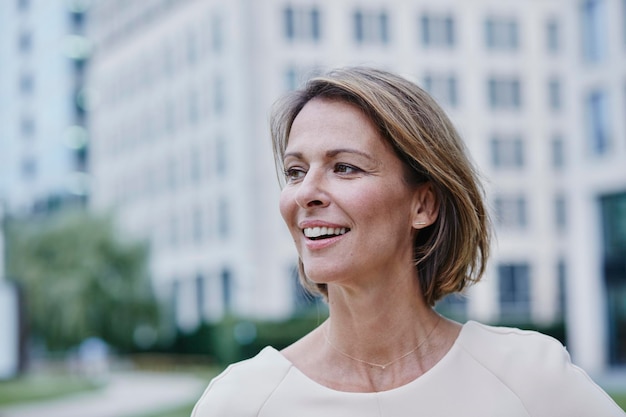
(346, 204)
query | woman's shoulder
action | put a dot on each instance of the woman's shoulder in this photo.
(507, 349)
(242, 388)
(537, 368)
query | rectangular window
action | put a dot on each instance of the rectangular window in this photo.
(371, 27)
(227, 289)
(223, 219)
(174, 232)
(219, 95)
(217, 30)
(302, 23)
(514, 290)
(23, 5)
(221, 156)
(501, 34)
(553, 36)
(598, 123)
(437, 30)
(510, 212)
(558, 152)
(443, 88)
(192, 47)
(28, 168)
(554, 94)
(27, 127)
(560, 212)
(295, 76)
(594, 25)
(26, 84)
(504, 93)
(25, 42)
(198, 226)
(507, 152)
(561, 273)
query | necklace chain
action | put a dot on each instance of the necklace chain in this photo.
(382, 366)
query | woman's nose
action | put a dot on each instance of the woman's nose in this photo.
(312, 191)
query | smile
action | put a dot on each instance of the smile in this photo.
(315, 233)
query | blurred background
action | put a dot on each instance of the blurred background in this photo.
(140, 234)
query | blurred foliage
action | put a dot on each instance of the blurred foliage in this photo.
(234, 339)
(43, 386)
(80, 280)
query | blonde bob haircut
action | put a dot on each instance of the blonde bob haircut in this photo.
(451, 253)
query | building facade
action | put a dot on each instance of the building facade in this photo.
(43, 54)
(181, 94)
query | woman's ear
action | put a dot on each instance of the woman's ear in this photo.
(425, 206)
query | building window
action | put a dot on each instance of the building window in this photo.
(27, 84)
(195, 166)
(219, 95)
(201, 295)
(561, 271)
(172, 175)
(443, 88)
(23, 5)
(453, 306)
(558, 152)
(174, 232)
(594, 25)
(217, 30)
(504, 93)
(302, 23)
(514, 290)
(510, 212)
(221, 156)
(223, 218)
(227, 289)
(295, 76)
(371, 27)
(507, 152)
(560, 212)
(554, 94)
(501, 34)
(553, 36)
(597, 112)
(25, 42)
(438, 30)
(192, 47)
(28, 168)
(198, 226)
(27, 127)
(193, 104)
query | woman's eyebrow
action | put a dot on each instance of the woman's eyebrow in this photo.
(333, 153)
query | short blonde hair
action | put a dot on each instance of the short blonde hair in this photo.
(451, 253)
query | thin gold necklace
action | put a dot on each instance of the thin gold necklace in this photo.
(382, 366)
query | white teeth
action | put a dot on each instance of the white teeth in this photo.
(324, 231)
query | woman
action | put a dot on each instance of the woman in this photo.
(387, 216)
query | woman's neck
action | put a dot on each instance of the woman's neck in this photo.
(378, 324)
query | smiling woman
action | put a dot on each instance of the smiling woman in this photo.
(387, 216)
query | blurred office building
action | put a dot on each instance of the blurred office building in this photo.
(181, 150)
(42, 110)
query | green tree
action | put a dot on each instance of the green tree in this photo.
(80, 280)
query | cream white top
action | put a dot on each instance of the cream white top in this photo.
(488, 372)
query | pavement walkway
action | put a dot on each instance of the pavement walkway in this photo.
(126, 394)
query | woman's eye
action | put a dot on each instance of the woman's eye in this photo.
(346, 169)
(293, 174)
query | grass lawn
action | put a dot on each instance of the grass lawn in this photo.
(619, 398)
(180, 411)
(41, 387)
